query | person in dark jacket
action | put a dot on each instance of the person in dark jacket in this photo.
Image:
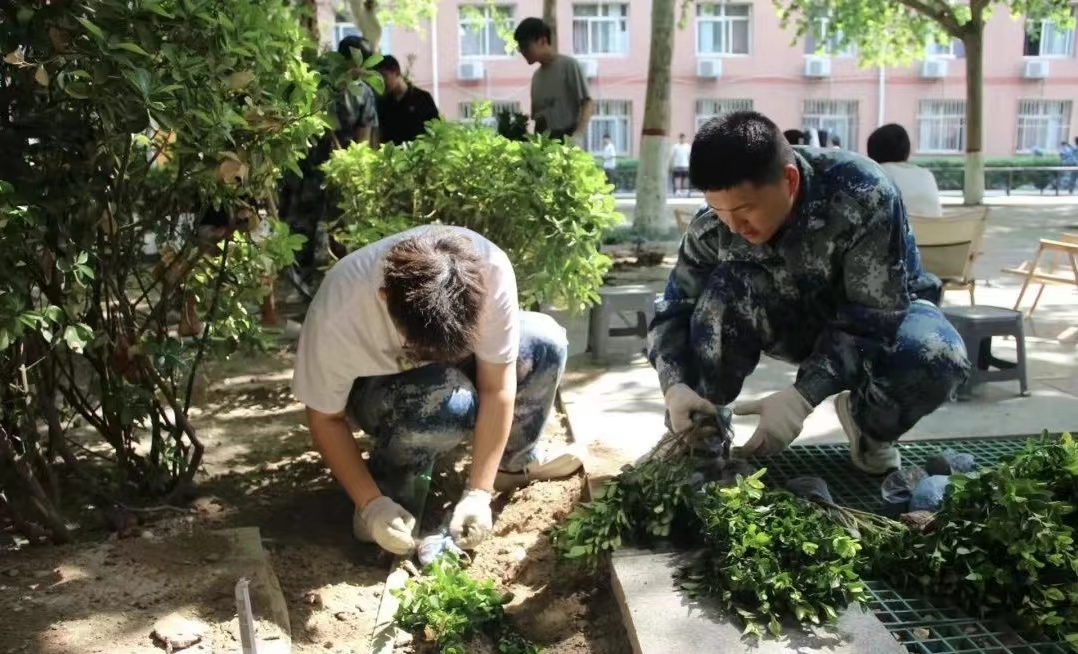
(805, 255)
(403, 109)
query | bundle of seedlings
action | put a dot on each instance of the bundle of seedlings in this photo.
(1003, 542)
(451, 613)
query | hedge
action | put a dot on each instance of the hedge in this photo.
(949, 172)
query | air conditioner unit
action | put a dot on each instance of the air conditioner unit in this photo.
(470, 70)
(934, 68)
(709, 68)
(817, 67)
(590, 67)
(1035, 69)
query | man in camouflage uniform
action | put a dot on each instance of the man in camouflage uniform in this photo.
(806, 255)
(304, 203)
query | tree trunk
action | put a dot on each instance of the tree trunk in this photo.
(365, 15)
(651, 174)
(973, 189)
(550, 17)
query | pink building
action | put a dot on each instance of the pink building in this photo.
(734, 55)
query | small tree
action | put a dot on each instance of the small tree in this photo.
(889, 32)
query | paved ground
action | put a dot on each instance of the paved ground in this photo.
(618, 410)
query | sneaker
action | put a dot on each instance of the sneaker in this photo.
(868, 455)
(547, 465)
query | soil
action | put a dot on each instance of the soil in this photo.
(128, 570)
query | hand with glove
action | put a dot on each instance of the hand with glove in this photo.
(682, 402)
(387, 523)
(782, 415)
(472, 521)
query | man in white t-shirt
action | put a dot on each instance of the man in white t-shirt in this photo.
(679, 164)
(610, 158)
(418, 340)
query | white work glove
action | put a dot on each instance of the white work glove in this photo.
(782, 415)
(682, 402)
(390, 525)
(472, 521)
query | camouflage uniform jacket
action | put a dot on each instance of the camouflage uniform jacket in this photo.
(846, 260)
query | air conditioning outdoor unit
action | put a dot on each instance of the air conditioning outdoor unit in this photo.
(817, 67)
(934, 68)
(1035, 69)
(590, 67)
(709, 68)
(470, 70)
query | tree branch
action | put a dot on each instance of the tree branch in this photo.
(938, 12)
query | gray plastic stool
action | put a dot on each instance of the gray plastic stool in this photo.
(636, 301)
(977, 325)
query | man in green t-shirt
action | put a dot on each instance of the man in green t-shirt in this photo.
(561, 102)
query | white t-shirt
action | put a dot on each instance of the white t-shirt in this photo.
(610, 157)
(918, 188)
(348, 332)
(680, 155)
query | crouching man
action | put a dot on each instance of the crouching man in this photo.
(418, 340)
(805, 255)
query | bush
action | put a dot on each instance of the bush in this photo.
(543, 202)
(125, 122)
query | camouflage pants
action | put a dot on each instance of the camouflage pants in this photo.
(416, 416)
(741, 315)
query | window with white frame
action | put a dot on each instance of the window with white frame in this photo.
(941, 126)
(823, 39)
(723, 28)
(838, 117)
(478, 28)
(706, 109)
(1046, 39)
(467, 111)
(954, 49)
(611, 118)
(601, 28)
(1043, 124)
(343, 28)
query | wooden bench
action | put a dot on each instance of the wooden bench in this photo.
(1066, 248)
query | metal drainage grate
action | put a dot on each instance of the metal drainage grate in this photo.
(924, 625)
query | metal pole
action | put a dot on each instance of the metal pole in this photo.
(434, 58)
(881, 96)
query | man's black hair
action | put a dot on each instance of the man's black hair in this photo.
(389, 64)
(744, 146)
(531, 30)
(889, 144)
(794, 136)
(354, 42)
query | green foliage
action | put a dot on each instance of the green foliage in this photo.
(449, 610)
(640, 506)
(127, 122)
(1004, 541)
(543, 202)
(769, 554)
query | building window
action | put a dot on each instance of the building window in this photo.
(601, 29)
(723, 29)
(823, 39)
(1045, 39)
(941, 126)
(708, 109)
(838, 117)
(343, 28)
(478, 29)
(955, 49)
(611, 118)
(467, 111)
(1043, 125)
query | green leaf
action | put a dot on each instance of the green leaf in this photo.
(132, 47)
(91, 28)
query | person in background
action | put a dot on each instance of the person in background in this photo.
(889, 146)
(403, 109)
(561, 101)
(610, 158)
(357, 106)
(794, 136)
(806, 255)
(836, 143)
(679, 164)
(1068, 156)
